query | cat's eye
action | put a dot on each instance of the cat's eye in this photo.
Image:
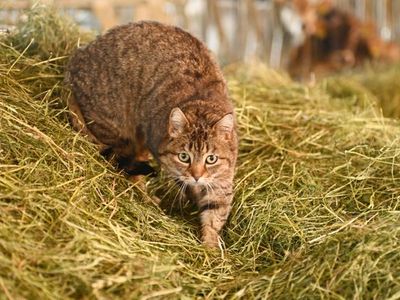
(211, 159)
(184, 157)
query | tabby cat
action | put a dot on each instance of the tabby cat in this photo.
(151, 89)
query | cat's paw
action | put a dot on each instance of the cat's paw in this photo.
(211, 239)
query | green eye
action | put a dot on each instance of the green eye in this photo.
(211, 159)
(184, 157)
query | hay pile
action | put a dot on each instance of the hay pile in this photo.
(383, 84)
(316, 212)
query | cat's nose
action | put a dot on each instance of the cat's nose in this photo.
(197, 171)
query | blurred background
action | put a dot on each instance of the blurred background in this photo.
(303, 36)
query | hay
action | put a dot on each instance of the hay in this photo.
(316, 212)
(377, 81)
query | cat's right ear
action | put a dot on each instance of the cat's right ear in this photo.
(177, 122)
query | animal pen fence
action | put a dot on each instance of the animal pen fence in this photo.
(235, 29)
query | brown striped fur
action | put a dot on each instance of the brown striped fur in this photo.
(150, 89)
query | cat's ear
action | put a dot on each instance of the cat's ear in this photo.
(224, 127)
(177, 122)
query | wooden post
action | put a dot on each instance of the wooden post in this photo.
(215, 12)
(241, 28)
(152, 10)
(105, 13)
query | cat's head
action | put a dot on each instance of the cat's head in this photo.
(198, 153)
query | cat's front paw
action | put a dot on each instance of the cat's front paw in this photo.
(210, 238)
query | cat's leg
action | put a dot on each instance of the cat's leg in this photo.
(126, 161)
(78, 122)
(138, 167)
(214, 208)
(133, 157)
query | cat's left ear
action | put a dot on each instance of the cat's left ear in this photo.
(177, 122)
(224, 127)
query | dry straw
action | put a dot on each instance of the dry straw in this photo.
(316, 211)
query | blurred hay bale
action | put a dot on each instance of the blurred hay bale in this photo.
(316, 211)
(377, 82)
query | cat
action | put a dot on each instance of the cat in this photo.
(148, 89)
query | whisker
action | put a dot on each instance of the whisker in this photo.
(178, 193)
(185, 185)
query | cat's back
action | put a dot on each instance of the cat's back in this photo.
(150, 46)
(147, 59)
